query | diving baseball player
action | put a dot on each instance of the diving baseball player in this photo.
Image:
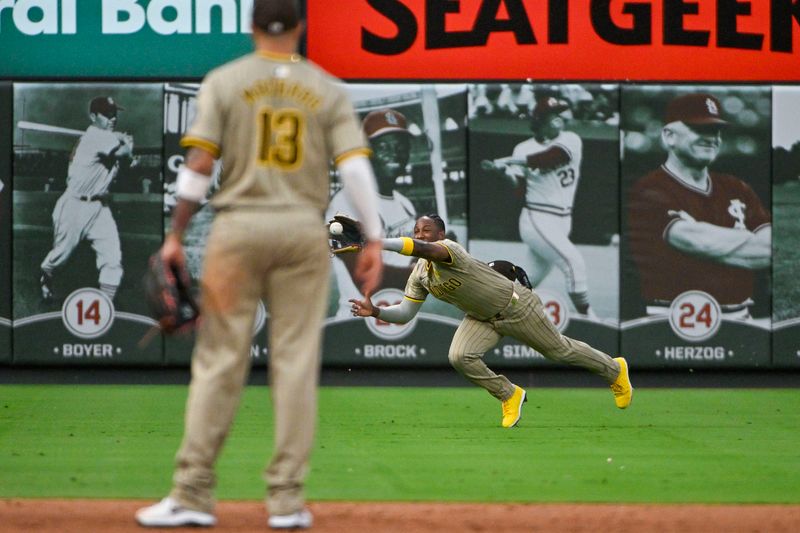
(549, 164)
(390, 142)
(82, 211)
(495, 307)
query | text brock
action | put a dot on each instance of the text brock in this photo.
(638, 29)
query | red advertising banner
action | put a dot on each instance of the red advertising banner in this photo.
(611, 40)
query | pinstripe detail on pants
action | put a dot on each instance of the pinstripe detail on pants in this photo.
(527, 322)
(472, 339)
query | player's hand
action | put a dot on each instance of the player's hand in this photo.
(124, 138)
(683, 215)
(172, 252)
(488, 164)
(369, 267)
(127, 143)
(362, 308)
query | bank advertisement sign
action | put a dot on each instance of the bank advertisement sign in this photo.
(121, 38)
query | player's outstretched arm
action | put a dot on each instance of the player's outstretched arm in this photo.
(396, 314)
(729, 246)
(431, 251)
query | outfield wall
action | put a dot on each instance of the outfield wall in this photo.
(454, 128)
(468, 80)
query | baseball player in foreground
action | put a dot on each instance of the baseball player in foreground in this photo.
(549, 163)
(495, 307)
(694, 229)
(390, 141)
(275, 121)
(82, 211)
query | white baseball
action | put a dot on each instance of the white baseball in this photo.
(336, 228)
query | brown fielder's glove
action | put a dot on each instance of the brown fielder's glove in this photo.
(345, 234)
(168, 291)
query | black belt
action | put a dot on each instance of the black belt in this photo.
(93, 198)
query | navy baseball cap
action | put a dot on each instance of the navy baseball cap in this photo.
(696, 109)
(275, 16)
(382, 121)
(104, 105)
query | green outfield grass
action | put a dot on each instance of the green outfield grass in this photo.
(418, 444)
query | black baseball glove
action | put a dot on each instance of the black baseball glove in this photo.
(511, 271)
(168, 291)
(348, 238)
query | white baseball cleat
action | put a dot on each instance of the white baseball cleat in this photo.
(299, 520)
(169, 513)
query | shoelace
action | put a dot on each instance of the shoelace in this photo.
(618, 388)
(508, 410)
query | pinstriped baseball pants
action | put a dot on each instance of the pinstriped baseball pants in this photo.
(526, 321)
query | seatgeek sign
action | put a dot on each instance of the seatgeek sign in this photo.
(605, 40)
(120, 38)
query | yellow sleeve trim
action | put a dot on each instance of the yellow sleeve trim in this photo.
(203, 144)
(366, 152)
(408, 246)
(413, 299)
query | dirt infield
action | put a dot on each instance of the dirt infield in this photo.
(113, 516)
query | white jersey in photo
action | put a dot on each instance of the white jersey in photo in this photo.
(94, 163)
(552, 191)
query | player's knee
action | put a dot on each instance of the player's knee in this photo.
(462, 359)
(456, 358)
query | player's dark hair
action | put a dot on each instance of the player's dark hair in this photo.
(436, 220)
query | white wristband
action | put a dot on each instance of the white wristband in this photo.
(192, 185)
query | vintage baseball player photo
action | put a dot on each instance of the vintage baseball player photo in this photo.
(5, 222)
(786, 221)
(544, 196)
(417, 136)
(697, 223)
(87, 213)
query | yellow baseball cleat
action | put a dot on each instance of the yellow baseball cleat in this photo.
(622, 388)
(512, 408)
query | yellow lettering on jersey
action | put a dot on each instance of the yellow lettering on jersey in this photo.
(280, 137)
(278, 88)
(450, 285)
